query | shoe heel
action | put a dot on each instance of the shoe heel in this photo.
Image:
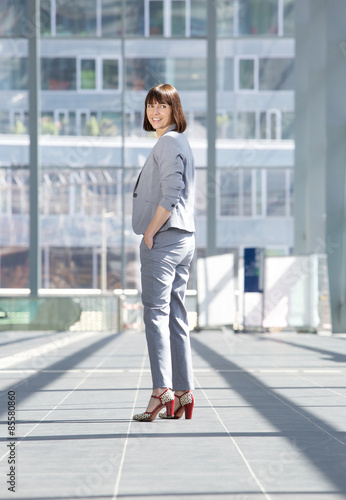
(189, 410)
(170, 408)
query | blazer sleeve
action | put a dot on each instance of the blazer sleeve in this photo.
(170, 161)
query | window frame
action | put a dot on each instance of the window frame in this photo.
(237, 60)
(167, 19)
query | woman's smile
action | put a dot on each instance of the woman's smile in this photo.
(159, 116)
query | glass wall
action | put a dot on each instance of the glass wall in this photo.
(98, 60)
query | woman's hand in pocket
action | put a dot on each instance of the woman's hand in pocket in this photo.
(148, 240)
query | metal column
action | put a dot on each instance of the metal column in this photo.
(211, 124)
(34, 113)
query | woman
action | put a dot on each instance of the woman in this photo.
(163, 201)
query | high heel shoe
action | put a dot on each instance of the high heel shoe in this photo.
(166, 399)
(186, 402)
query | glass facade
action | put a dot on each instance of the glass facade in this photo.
(98, 59)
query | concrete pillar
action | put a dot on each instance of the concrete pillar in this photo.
(320, 158)
(336, 159)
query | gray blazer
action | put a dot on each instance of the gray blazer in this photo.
(167, 179)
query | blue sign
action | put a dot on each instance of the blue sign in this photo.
(253, 269)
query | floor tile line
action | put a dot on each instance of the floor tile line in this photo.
(293, 408)
(122, 461)
(64, 398)
(316, 384)
(250, 469)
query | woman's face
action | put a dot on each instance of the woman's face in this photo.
(160, 116)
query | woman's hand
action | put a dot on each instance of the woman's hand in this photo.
(148, 240)
(161, 216)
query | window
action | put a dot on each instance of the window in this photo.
(229, 193)
(178, 18)
(111, 18)
(258, 17)
(88, 74)
(276, 74)
(156, 17)
(4, 122)
(288, 17)
(110, 74)
(166, 17)
(246, 125)
(287, 125)
(225, 14)
(198, 23)
(246, 74)
(13, 15)
(189, 74)
(228, 74)
(236, 192)
(13, 73)
(58, 73)
(246, 193)
(134, 18)
(270, 125)
(76, 18)
(45, 17)
(224, 126)
(276, 193)
(142, 74)
(110, 123)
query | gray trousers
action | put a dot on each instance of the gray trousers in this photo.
(164, 274)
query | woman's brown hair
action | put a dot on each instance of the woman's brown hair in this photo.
(165, 94)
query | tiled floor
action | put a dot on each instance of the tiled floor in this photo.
(269, 420)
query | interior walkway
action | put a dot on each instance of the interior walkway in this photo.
(269, 420)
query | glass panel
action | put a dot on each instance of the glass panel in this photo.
(201, 192)
(291, 193)
(276, 193)
(289, 18)
(190, 74)
(134, 18)
(247, 193)
(14, 270)
(13, 15)
(229, 74)
(20, 126)
(111, 18)
(287, 125)
(224, 19)
(229, 193)
(110, 74)
(142, 74)
(45, 16)
(76, 18)
(246, 125)
(48, 127)
(198, 18)
(88, 74)
(178, 18)
(13, 73)
(258, 174)
(246, 74)
(263, 125)
(110, 123)
(4, 122)
(156, 17)
(58, 73)
(273, 126)
(276, 74)
(225, 126)
(258, 17)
